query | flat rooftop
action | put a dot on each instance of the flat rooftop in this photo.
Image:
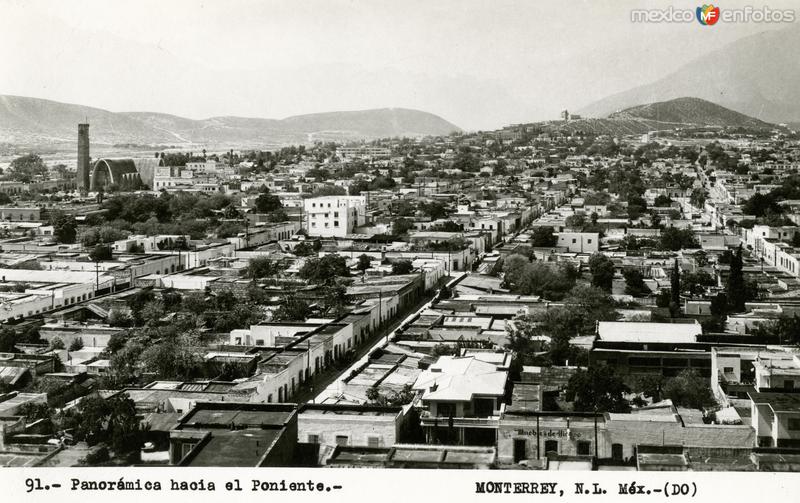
(236, 417)
(235, 447)
(643, 332)
(779, 402)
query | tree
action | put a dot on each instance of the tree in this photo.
(698, 197)
(171, 299)
(76, 345)
(137, 301)
(64, 227)
(544, 280)
(649, 385)
(689, 389)
(761, 205)
(634, 282)
(675, 289)
(392, 398)
(736, 288)
(597, 390)
(543, 237)
(583, 307)
(153, 312)
(194, 302)
(662, 200)
(27, 167)
(261, 267)
(784, 330)
(442, 349)
(696, 283)
(447, 226)
(602, 270)
(401, 226)
(719, 314)
(267, 203)
(701, 258)
(335, 299)
(34, 411)
(8, 340)
(303, 249)
(291, 309)
(434, 209)
(576, 221)
(402, 267)
(636, 206)
(57, 343)
(325, 269)
(364, 262)
(513, 269)
(113, 420)
(100, 253)
(168, 351)
(674, 239)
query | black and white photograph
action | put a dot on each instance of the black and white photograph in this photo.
(514, 238)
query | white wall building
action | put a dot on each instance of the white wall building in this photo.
(334, 216)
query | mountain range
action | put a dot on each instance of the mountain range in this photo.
(756, 75)
(33, 121)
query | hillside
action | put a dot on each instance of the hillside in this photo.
(690, 111)
(672, 114)
(756, 75)
(29, 121)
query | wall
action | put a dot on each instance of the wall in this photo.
(357, 428)
(579, 429)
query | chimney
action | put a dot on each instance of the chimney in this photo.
(83, 158)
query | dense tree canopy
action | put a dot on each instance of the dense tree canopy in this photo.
(598, 389)
(325, 269)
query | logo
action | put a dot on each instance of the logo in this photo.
(707, 15)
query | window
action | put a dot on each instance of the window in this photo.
(589, 241)
(519, 449)
(186, 448)
(584, 448)
(373, 441)
(728, 370)
(313, 439)
(551, 446)
(574, 240)
(616, 452)
(794, 424)
(341, 440)
(788, 384)
(445, 409)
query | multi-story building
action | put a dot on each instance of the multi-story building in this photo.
(579, 242)
(463, 398)
(334, 216)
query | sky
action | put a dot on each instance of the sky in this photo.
(478, 64)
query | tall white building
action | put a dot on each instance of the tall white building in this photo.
(334, 216)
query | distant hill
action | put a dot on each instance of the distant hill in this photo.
(678, 113)
(28, 121)
(756, 75)
(690, 111)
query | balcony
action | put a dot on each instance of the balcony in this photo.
(429, 420)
